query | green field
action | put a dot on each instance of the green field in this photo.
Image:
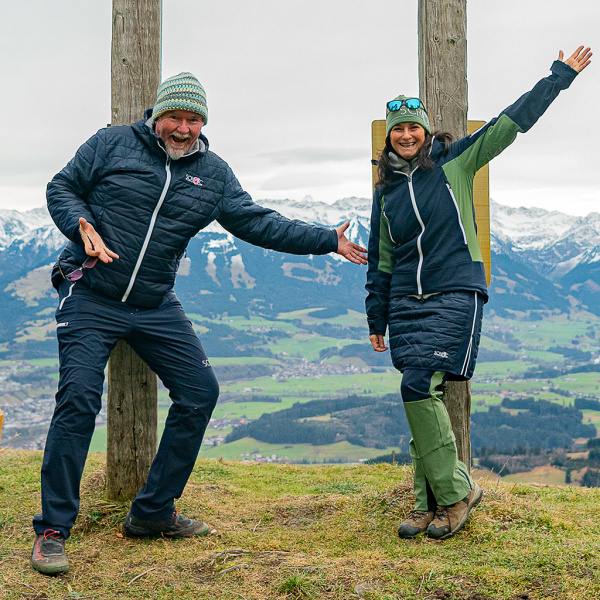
(243, 360)
(43, 362)
(577, 328)
(528, 341)
(332, 385)
(310, 316)
(248, 448)
(500, 370)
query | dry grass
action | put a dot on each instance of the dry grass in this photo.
(291, 532)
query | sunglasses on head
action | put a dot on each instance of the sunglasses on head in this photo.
(412, 103)
(78, 273)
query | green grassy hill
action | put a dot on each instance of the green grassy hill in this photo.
(293, 532)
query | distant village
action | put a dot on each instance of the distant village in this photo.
(28, 404)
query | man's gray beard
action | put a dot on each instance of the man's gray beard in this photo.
(175, 154)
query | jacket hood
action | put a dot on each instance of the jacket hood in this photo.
(437, 149)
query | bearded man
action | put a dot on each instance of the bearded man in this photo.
(129, 202)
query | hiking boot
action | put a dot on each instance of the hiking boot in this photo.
(450, 519)
(416, 523)
(48, 555)
(175, 527)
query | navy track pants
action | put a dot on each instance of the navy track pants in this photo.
(88, 327)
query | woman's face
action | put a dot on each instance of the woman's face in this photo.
(406, 139)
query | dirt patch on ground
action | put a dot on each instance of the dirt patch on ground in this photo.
(294, 511)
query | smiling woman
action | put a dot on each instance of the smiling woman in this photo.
(426, 280)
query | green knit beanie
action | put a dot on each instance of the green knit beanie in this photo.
(180, 92)
(406, 115)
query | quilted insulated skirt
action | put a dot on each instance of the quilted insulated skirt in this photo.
(439, 333)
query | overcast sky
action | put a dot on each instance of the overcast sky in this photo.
(293, 86)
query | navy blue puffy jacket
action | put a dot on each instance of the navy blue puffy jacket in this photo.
(423, 236)
(147, 207)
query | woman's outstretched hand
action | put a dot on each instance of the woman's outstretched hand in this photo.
(377, 342)
(579, 60)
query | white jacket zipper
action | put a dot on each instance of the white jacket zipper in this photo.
(419, 248)
(138, 264)
(418, 215)
(67, 296)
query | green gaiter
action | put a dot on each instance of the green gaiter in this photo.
(433, 450)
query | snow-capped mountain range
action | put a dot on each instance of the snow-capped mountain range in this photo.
(540, 260)
(556, 242)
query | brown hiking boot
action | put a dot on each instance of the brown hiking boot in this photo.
(416, 523)
(450, 519)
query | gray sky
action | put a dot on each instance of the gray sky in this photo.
(293, 86)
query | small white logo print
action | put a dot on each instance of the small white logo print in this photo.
(62, 324)
(193, 179)
(440, 354)
(205, 362)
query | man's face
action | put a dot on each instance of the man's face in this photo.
(179, 130)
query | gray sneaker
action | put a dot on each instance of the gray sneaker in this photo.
(450, 519)
(416, 523)
(48, 555)
(174, 527)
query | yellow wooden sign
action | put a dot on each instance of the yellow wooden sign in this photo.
(481, 192)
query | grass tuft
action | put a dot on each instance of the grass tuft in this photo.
(297, 587)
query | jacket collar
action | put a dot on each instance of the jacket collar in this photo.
(436, 149)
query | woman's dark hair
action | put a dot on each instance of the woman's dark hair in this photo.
(385, 171)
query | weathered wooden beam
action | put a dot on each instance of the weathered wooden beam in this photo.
(443, 63)
(132, 422)
(443, 89)
(132, 387)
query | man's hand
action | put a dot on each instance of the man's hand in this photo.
(377, 342)
(94, 246)
(349, 250)
(579, 60)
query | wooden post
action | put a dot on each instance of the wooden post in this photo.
(132, 387)
(443, 89)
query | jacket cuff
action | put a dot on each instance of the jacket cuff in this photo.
(564, 72)
(377, 326)
(333, 242)
(75, 236)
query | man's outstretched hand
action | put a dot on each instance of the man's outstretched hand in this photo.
(94, 246)
(349, 250)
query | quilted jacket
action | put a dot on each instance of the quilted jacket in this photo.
(423, 236)
(147, 207)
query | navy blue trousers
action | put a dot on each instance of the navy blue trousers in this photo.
(88, 327)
